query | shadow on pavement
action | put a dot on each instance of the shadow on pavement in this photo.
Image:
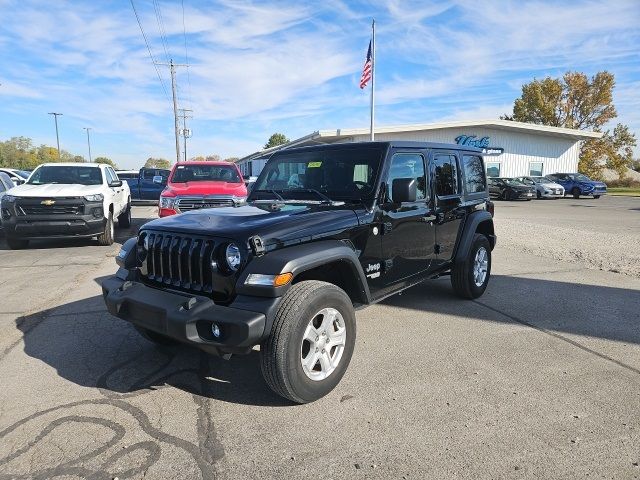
(91, 348)
(562, 307)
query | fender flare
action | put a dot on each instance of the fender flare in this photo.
(469, 230)
(298, 259)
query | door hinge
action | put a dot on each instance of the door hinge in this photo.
(388, 264)
(387, 227)
(437, 248)
(257, 245)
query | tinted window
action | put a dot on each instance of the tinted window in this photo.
(446, 175)
(66, 175)
(206, 173)
(407, 165)
(474, 174)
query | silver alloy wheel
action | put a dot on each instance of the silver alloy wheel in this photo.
(323, 344)
(480, 266)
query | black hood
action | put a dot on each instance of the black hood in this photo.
(280, 224)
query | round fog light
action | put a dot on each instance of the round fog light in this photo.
(215, 330)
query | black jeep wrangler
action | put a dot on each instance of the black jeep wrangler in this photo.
(326, 230)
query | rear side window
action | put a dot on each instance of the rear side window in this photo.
(446, 175)
(408, 165)
(475, 180)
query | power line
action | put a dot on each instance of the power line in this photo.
(186, 55)
(149, 50)
(161, 29)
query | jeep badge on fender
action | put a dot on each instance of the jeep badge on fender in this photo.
(325, 229)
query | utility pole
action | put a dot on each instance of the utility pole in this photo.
(55, 116)
(172, 68)
(88, 141)
(185, 133)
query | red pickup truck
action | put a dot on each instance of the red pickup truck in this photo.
(195, 185)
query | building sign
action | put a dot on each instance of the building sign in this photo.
(483, 143)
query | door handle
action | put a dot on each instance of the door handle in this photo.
(440, 217)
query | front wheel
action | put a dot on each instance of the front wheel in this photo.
(470, 277)
(311, 342)
(575, 192)
(124, 219)
(106, 237)
(596, 196)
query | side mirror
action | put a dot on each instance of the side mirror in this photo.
(159, 179)
(116, 183)
(404, 190)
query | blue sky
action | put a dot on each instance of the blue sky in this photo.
(290, 67)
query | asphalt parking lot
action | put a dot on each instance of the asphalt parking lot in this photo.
(539, 378)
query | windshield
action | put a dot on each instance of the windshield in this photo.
(206, 173)
(340, 174)
(66, 175)
(581, 178)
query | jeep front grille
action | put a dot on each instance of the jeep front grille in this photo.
(185, 204)
(184, 262)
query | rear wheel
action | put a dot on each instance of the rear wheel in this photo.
(470, 277)
(17, 243)
(575, 192)
(596, 196)
(311, 342)
(538, 196)
(106, 237)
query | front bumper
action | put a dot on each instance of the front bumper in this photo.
(188, 318)
(18, 223)
(552, 194)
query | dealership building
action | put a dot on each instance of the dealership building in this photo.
(512, 149)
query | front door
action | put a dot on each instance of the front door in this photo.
(448, 199)
(408, 233)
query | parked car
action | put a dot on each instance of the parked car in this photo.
(66, 200)
(18, 177)
(194, 185)
(6, 184)
(142, 184)
(545, 187)
(326, 229)
(510, 189)
(577, 184)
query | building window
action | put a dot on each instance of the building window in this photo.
(493, 169)
(474, 174)
(535, 169)
(446, 175)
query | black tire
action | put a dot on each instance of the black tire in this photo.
(17, 243)
(106, 237)
(157, 338)
(124, 219)
(596, 196)
(462, 279)
(503, 195)
(575, 192)
(281, 353)
(538, 196)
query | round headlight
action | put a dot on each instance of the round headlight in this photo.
(233, 257)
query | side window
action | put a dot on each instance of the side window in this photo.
(148, 174)
(474, 174)
(110, 175)
(446, 175)
(407, 165)
(2, 187)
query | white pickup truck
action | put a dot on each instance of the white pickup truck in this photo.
(66, 200)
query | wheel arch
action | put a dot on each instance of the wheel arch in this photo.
(477, 222)
(327, 260)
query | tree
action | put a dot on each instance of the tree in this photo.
(275, 140)
(232, 159)
(157, 163)
(104, 160)
(575, 101)
(635, 165)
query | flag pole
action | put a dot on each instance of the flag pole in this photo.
(373, 74)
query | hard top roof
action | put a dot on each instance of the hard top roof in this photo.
(390, 144)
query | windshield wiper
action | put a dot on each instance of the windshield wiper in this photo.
(324, 198)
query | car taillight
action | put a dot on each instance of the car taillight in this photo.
(491, 208)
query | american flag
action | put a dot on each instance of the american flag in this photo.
(366, 70)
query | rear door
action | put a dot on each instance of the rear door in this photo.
(449, 211)
(408, 235)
